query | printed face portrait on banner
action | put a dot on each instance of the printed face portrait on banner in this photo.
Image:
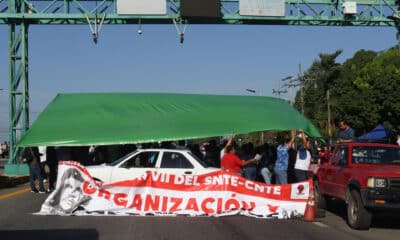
(68, 196)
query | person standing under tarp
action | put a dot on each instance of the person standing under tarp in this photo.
(303, 159)
(232, 163)
(43, 158)
(264, 163)
(225, 144)
(282, 160)
(250, 171)
(52, 163)
(212, 151)
(92, 155)
(32, 158)
(195, 149)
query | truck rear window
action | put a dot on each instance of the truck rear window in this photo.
(375, 155)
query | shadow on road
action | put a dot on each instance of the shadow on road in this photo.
(59, 234)
(380, 220)
(386, 221)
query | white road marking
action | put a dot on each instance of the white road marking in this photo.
(319, 224)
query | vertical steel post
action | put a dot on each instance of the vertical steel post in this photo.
(66, 6)
(12, 53)
(25, 82)
(19, 86)
(12, 44)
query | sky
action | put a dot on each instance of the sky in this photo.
(214, 59)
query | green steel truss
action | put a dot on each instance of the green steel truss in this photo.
(19, 14)
(18, 83)
(298, 12)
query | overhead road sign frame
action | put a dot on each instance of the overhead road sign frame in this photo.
(297, 12)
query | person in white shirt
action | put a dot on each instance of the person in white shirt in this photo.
(303, 159)
(43, 158)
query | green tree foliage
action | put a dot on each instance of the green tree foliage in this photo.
(317, 80)
(363, 90)
(375, 88)
(351, 97)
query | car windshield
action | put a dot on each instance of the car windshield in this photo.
(116, 162)
(198, 159)
(376, 155)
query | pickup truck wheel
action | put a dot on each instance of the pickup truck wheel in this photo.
(357, 216)
(319, 198)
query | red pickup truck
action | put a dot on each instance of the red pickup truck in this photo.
(364, 175)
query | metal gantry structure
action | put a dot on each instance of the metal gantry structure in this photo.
(20, 14)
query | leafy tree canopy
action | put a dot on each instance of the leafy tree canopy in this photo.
(363, 90)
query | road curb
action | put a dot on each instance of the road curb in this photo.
(12, 181)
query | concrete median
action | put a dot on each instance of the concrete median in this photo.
(12, 181)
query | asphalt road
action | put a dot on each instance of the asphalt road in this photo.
(18, 222)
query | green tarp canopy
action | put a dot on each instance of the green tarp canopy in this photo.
(122, 118)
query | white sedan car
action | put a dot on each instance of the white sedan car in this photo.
(137, 163)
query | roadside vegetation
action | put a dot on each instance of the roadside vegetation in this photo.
(363, 90)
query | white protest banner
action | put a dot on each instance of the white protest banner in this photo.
(214, 194)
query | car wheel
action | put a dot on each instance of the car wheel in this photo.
(319, 198)
(357, 216)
